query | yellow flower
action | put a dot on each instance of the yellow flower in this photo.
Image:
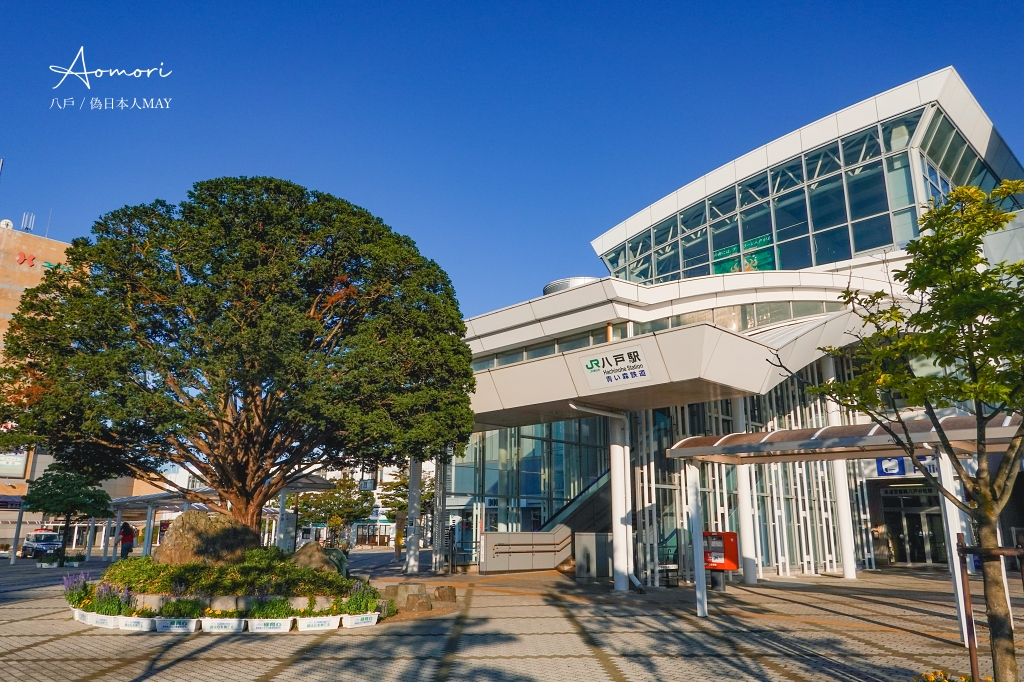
(218, 613)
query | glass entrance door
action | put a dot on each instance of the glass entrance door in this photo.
(897, 536)
(937, 539)
(915, 538)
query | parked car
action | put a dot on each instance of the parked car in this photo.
(41, 543)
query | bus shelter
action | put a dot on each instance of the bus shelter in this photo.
(838, 444)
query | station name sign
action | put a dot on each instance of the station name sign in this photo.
(620, 367)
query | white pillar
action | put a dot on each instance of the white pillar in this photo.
(91, 539)
(117, 532)
(748, 553)
(282, 500)
(697, 537)
(17, 531)
(951, 522)
(412, 532)
(147, 545)
(106, 538)
(618, 465)
(841, 484)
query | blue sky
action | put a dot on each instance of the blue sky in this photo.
(502, 137)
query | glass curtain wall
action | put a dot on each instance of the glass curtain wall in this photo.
(515, 479)
(853, 195)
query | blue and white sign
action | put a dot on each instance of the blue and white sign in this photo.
(891, 466)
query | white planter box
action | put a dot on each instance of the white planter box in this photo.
(176, 625)
(360, 621)
(79, 615)
(136, 624)
(318, 623)
(101, 621)
(73, 564)
(270, 624)
(40, 564)
(223, 625)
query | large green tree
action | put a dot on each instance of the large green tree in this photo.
(251, 334)
(67, 495)
(951, 335)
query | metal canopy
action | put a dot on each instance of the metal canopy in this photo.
(172, 500)
(858, 441)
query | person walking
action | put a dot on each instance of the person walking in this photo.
(126, 537)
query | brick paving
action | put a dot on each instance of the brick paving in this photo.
(528, 628)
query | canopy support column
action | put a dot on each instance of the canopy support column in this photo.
(697, 536)
(840, 483)
(91, 539)
(106, 539)
(412, 531)
(748, 553)
(117, 532)
(147, 543)
(951, 522)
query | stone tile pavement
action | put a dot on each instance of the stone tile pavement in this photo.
(528, 628)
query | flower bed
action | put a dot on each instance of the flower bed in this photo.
(113, 604)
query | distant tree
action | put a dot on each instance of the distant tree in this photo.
(964, 316)
(394, 496)
(336, 508)
(254, 333)
(71, 496)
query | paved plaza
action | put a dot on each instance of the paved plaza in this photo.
(528, 628)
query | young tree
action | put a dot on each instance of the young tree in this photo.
(67, 495)
(254, 333)
(963, 315)
(336, 508)
(394, 494)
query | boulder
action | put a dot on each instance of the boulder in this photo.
(417, 602)
(445, 593)
(404, 590)
(312, 555)
(199, 537)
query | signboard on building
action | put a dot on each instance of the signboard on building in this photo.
(619, 368)
(721, 551)
(12, 464)
(891, 466)
(367, 485)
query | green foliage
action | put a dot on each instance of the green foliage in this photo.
(335, 609)
(255, 312)
(48, 558)
(363, 599)
(182, 608)
(394, 494)
(75, 557)
(271, 609)
(260, 574)
(389, 609)
(71, 496)
(221, 613)
(336, 508)
(143, 612)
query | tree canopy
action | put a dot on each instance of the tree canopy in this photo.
(950, 334)
(67, 495)
(253, 333)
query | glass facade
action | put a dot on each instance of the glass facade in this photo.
(515, 479)
(853, 195)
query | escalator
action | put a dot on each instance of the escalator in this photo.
(588, 512)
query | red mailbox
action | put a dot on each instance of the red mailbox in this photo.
(721, 552)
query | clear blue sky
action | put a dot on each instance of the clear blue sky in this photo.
(502, 137)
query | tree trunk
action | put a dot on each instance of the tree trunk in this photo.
(1004, 661)
(250, 514)
(66, 541)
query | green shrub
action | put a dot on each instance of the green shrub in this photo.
(363, 599)
(182, 608)
(220, 613)
(389, 608)
(271, 609)
(110, 602)
(139, 613)
(48, 558)
(263, 572)
(335, 609)
(75, 557)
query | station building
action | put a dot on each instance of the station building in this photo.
(716, 302)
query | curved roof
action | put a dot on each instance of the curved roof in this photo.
(944, 87)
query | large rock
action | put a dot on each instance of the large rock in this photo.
(312, 555)
(198, 537)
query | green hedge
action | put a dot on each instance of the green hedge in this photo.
(263, 572)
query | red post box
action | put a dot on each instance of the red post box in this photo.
(721, 551)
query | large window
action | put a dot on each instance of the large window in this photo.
(765, 221)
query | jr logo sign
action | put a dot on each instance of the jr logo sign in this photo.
(615, 368)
